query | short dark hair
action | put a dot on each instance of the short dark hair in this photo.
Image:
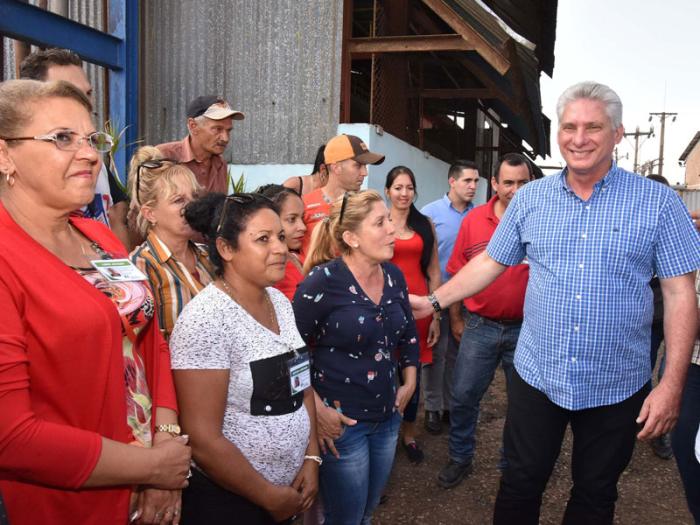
(458, 166)
(659, 178)
(36, 65)
(512, 159)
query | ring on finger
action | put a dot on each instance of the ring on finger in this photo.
(189, 473)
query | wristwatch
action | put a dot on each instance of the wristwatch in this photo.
(172, 429)
(436, 305)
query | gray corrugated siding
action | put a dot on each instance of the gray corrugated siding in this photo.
(276, 60)
(90, 13)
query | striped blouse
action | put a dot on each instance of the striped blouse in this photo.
(173, 285)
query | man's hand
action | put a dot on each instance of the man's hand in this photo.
(659, 411)
(420, 305)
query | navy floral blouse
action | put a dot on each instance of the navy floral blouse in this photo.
(356, 343)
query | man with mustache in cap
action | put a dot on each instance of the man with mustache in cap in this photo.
(209, 123)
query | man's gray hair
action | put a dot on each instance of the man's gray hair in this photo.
(593, 91)
(200, 120)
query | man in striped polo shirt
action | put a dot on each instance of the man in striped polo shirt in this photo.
(594, 235)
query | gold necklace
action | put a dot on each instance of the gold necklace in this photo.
(76, 236)
(268, 302)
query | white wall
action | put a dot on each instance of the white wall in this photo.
(431, 173)
(259, 174)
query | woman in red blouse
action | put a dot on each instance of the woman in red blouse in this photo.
(292, 215)
(415, 253)
(84, 371)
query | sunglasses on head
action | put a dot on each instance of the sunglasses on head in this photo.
(346, 195)
(241, 199)
(150, 165)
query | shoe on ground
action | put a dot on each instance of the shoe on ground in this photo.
(453, 473)
(446, 417)
(432, 422)
(413, 451)
(662, 446)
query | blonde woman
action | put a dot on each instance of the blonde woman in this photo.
(177, 268)
(353, 312)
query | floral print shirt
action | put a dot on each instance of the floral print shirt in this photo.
(136, 308)
(356, 344)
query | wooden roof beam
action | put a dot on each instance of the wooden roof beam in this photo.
(488, 52)
(408, 44)
(459, 93)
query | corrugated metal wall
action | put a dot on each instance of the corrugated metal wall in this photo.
(276, 60)
(691, 198)
(90, 13)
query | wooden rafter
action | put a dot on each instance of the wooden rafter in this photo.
(408, 44)
(458, 93)
(488, 52)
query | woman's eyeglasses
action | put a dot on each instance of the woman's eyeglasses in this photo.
(72, 141)
(150, 165)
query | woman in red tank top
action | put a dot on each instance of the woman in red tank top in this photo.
(291, 210)
(415, 253)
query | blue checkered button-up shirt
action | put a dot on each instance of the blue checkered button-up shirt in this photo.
(588, 308)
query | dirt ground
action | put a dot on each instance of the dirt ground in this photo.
(650, 489)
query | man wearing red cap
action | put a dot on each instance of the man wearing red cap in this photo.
(209, 123)
(346, 158)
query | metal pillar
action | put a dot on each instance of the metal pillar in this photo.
(116, 50)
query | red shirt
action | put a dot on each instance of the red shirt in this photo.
(62, 382)
(504, 297)
(316, 208)
(290, 281)
(213, 177)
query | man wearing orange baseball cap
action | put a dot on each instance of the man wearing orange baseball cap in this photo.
(346, 158)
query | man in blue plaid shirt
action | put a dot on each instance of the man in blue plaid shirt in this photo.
(593, 235)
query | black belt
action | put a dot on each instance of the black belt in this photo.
(504, 322)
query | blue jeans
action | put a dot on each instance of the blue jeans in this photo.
(484, 344)
(352, 485)
(683, 441)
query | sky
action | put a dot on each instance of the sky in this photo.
(649, 53)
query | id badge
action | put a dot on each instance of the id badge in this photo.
(118, 270)
(299, 373)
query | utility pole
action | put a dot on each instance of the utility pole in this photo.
(663, 115)
(636, 136)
